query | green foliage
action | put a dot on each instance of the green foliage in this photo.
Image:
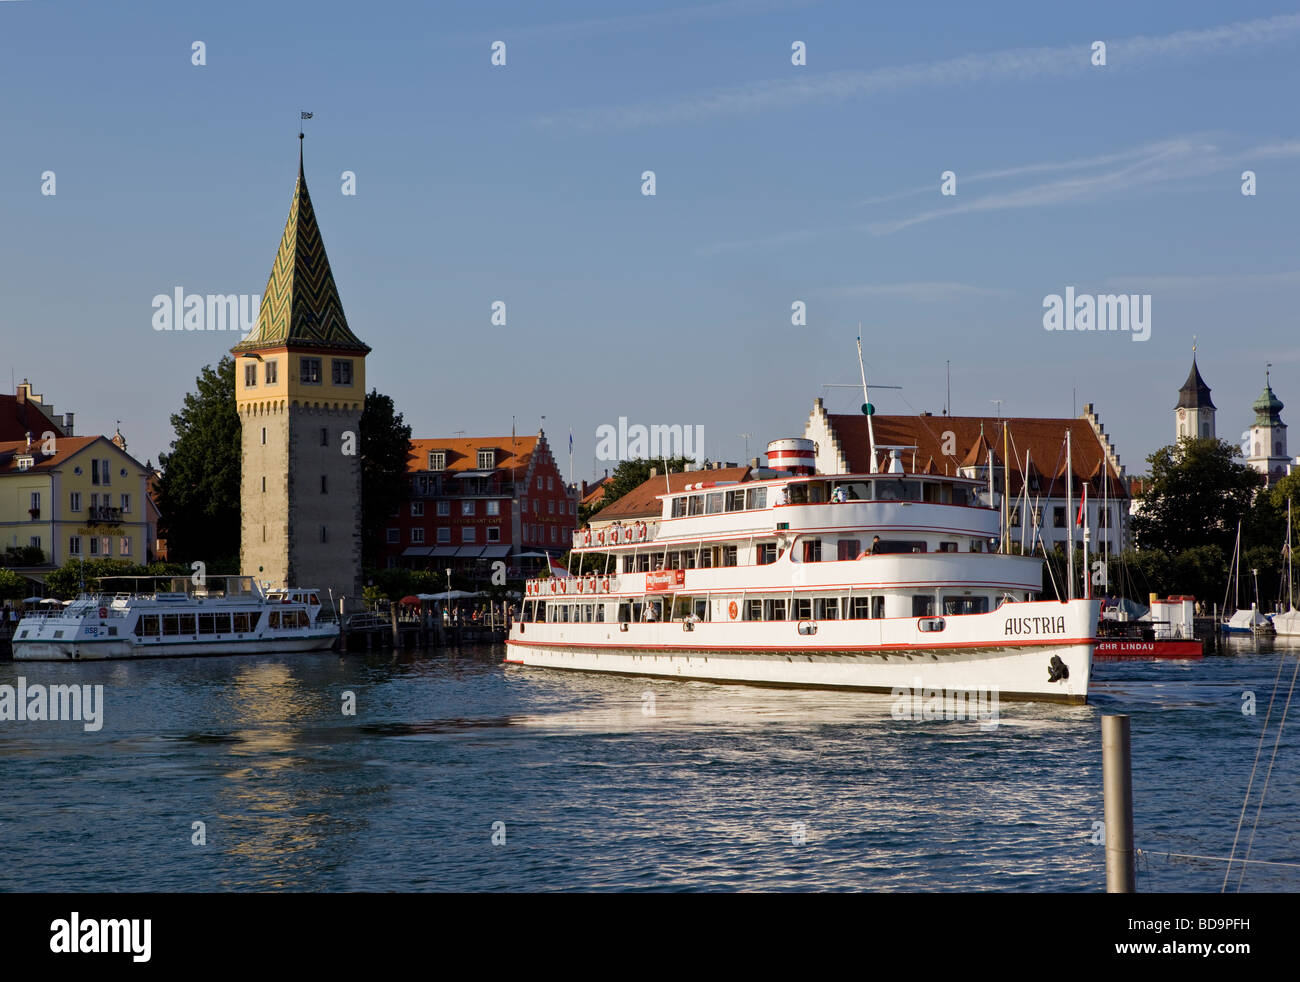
(12, 586)
(66, 581)
(198, 495)
(385, 448)
(1197, 494)
(23, 556)
(631, 474)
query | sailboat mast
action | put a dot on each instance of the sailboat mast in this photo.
(1006, 490)
(866, 405)
(1069, 513)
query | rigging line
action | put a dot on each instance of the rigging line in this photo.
(922, 420)
(1281, 724)
(1215, 859)
(1246, 802)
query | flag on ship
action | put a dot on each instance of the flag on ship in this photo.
(1083, 507)
(558, 570)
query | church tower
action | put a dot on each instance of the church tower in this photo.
(300, 384)
(1267, 441)
(1194, 414)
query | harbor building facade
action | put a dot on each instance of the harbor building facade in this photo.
(473, 501)
(300, 383)
(73, 497)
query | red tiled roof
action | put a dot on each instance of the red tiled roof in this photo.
(1042, 439)
(65, 447)
(643, 501)
(512, 453)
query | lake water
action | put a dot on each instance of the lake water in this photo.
(603, 783)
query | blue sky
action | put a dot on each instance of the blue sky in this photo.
(775, 183)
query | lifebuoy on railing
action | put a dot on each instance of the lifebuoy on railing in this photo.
(591, 584)
(604, 584)
(103, 611)
(586, 537)
(640, 532)
(600, 537)
(581, 586)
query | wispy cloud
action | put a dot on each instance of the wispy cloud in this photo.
(1023, 64)
(1227, 281)
(1160, 163)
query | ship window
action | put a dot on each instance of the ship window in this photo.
(861, 608)
(766, 553)
(961, 494)
(274, 622)
(679, 507)
(930, 492)
(965, 605)
(624, 612)
(848, 549)
(187, 624)
(714, 505)
(803, 609)
(947, 547)
(736, 500)
(757, 498)
(899, 490)
(674, 560)
(697, 504)
(812, 550)
(877, 607)
(702, 608)
(627, 564)
(241, 623)
(222, 623)
(826, 609)
(922, 605)
(729, 555)
(207, 624)
(899, 545)
(855, 491)
(147, 626)
(643, 562)
(774, 610)
(171, 625)
(706, 558)
(688, 560)
(753, 610)
(798, 494)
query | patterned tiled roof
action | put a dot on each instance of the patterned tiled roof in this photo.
(301, 305)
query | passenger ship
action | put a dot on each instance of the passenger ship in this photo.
(776, 581)
(227, 615)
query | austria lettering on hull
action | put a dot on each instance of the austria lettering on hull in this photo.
(1034, 625)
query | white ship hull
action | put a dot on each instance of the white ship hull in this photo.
(94, 650)
(975, 653)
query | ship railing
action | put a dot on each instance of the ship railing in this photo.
(615, 535)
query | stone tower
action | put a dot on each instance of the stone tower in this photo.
(300, 384)
(1267, 441)
(1194, 414)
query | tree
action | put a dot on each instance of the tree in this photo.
(631, 474)
(12, 586)
(198, 496)
(385, 448)
(1197, 494)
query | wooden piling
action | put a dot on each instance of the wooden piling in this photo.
(1117, 791)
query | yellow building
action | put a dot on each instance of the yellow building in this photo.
(300, 387)
(74, 497)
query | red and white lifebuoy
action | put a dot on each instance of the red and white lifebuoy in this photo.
(733, 610)
(581, 586)
(586, 538)
(601, 537)
(103, 611)
(640, 532)
(604, 584)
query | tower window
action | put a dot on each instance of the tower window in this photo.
(324, 484)
(250, 374)
(309, 371)
(324, 534)
(342, 370)
(271, 372)
(324, 436)
(264, 485)
(263, 436)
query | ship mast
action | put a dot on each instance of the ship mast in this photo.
(1069, 517)
(866, 405)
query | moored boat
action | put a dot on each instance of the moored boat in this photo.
(135, 617)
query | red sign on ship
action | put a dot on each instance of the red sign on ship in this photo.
(665, 579)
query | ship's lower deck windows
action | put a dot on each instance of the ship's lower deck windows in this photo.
(826, 608)
(923, 605)
(848, 549)
(965, 605)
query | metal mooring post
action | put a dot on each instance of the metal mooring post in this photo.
(1117, 790)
